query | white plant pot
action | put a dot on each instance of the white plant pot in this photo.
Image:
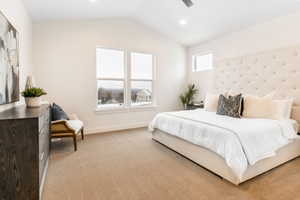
(32, 102)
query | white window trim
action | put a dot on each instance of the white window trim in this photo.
(127, 107)
(202, 54)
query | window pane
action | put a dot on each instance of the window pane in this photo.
(202, 62)
(141, 92)
(141, 66)
(110, 63)
(110, 93)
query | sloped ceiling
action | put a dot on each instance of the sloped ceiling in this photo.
(207, 19)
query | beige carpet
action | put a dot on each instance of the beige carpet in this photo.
(128, 165)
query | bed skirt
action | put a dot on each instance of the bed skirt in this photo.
(217, 164)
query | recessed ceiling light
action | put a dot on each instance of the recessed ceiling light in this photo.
(93, 1)
(182, 22)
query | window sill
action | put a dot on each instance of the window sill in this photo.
(112, 110)
(143, 108)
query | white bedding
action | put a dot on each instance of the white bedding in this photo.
(239, 141)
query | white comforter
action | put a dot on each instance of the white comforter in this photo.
(239, 141)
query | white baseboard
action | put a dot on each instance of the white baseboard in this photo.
(115, 128)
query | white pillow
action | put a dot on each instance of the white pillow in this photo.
(282, 109)
(258, 107)
(232, 92)
(211, 102)
(295, 115)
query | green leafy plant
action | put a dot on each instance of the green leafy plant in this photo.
(33, 92)
(187, 97)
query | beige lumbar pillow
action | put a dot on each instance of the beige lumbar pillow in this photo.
(258, 107)
(211, 102)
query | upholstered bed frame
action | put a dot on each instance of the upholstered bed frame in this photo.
(215, 163)
(259, 74)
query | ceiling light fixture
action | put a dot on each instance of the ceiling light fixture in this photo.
(93, 1)
(188, 3)
(182, 22)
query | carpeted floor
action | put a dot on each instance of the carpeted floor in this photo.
(128, 165)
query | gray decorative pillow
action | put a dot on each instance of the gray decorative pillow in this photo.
(58, 113)
(230, 106)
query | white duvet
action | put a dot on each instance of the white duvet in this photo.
(241, 142)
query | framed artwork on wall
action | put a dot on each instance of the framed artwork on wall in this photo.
(9, 62)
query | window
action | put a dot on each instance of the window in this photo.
(141, 78)
(124, 79)
(110, 77)
(202, 62)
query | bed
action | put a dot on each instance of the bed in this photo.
(211, 141)
(239, 75)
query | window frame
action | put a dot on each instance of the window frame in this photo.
(202, 54)
(127, 106)
(130, 80)
(111, 79)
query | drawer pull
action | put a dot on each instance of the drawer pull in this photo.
(42, 156)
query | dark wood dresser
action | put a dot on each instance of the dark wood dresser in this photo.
(24, 152)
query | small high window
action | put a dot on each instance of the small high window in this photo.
(202, 62)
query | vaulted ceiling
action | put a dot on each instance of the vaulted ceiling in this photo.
(207, 19)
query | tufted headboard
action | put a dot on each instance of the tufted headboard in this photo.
(259, 74)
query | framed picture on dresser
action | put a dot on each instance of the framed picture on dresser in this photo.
(9, 62)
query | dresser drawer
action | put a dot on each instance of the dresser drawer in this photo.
(44, 141)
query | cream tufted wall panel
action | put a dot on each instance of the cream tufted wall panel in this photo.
(259, 74)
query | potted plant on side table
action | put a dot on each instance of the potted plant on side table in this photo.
(32, 96)
(188, 96)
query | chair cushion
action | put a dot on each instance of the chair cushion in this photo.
(58, 113)
(74, 125)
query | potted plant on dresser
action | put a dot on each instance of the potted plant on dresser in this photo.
(32, 96)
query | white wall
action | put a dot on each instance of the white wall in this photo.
(15, 12)
(64, 60)
(277, 33)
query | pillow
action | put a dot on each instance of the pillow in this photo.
(242, 106)
(230, 106)
(242, 103)
(258, 107)
(282, 109)
(295, 115)
(211, 102)
(58, 113)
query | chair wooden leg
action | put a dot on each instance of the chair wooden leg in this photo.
(75, 142)
(82, 134)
